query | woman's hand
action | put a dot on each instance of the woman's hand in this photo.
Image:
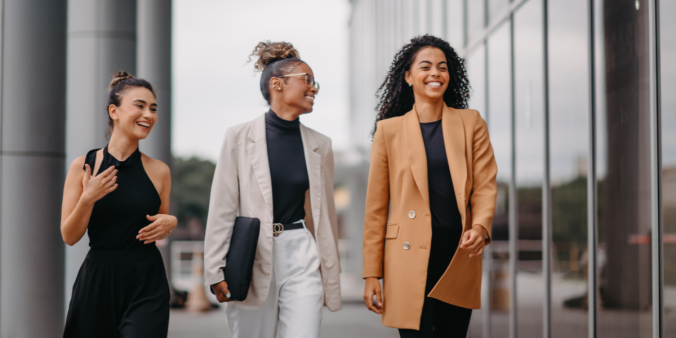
(474, 240)
(371, 288)
(222, 292)
(160, 228)
(96, 187)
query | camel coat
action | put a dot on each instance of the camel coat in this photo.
(397, 247)
(242, 187)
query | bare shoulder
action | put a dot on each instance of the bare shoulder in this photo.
(155, 167)
(77, 165)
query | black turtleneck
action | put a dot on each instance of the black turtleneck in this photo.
(288, 170)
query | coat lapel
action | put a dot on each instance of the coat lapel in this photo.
(257, 150)
(454, 141)
(416, 152)
(313, 160)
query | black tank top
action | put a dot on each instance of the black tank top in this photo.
(118, 216)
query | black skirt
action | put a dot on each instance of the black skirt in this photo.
(120, 293)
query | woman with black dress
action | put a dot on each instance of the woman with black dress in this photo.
(431, 195)
(120, 197)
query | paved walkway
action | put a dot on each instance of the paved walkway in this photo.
(353, 321)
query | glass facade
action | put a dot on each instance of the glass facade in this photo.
(667, 77)
(569, 160)
(578, 99)
(499, 113)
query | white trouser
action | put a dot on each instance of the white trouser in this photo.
(293, 308)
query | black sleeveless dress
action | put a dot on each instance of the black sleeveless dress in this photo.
(121, 289)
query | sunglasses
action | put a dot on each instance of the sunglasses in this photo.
(309, 80)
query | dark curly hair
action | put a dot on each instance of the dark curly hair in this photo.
(274, 59)
(396, 98)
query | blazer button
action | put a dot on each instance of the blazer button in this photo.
(407, 246)
(411, 214)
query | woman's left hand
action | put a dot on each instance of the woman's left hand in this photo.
(474, 240)
(161, 227)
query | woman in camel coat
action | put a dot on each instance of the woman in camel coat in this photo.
(431, 196)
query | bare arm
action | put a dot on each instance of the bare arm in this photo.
(162, 224)
(80, 192)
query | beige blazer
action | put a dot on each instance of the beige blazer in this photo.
(398, 224)
(242, 187)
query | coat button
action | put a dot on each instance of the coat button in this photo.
(411, 214)
(407, 246)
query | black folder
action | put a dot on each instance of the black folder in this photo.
(240, 257)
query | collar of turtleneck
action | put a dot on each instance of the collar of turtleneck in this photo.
(275, 122)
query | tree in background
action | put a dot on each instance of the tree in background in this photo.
(191, 189)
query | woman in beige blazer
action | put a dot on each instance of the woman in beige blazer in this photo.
(431, 195)
(277, 170)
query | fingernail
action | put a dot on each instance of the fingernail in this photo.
(228, 295)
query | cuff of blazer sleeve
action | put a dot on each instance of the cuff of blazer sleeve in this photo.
(488, 231)
(377, 273)
(211, 279)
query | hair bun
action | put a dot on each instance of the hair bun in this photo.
(119, 77)
(269, 52)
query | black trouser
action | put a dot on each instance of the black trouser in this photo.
(120, 293)
(439, 319)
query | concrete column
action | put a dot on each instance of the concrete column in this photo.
(101, 41)
(32, 151)
(154, 65)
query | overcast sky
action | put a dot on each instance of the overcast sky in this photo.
(215, 87)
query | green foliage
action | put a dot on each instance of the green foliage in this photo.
(191, 187)
(569, 212)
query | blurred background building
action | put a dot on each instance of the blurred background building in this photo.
(576, 93)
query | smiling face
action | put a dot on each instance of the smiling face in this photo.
(292, 92)
(136, 115)
(428, 74)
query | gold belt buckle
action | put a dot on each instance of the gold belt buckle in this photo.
(277, 229)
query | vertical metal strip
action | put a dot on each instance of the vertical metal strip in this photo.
(513, 217)
(487, 252)
(591, 178)
(655, 193)
(2, 126)
(546, 189)
(444, 20)
(465, 26)
(428, 17)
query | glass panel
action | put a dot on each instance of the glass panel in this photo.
(623, 176)
(569, 155)
(454, 23)
(476, 70)
(495, 8)
(500, 129)
(529, 123)
(436, 9)
(668, 122)
(423, 17)
(476, 15)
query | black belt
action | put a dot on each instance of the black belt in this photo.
(278, 228)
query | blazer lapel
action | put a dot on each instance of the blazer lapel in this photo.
(416, 152)
(313, 160)
(257, 150)
(454, 141)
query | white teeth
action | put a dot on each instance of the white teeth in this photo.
(143, 124)
(434, 84)
(310, 97)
